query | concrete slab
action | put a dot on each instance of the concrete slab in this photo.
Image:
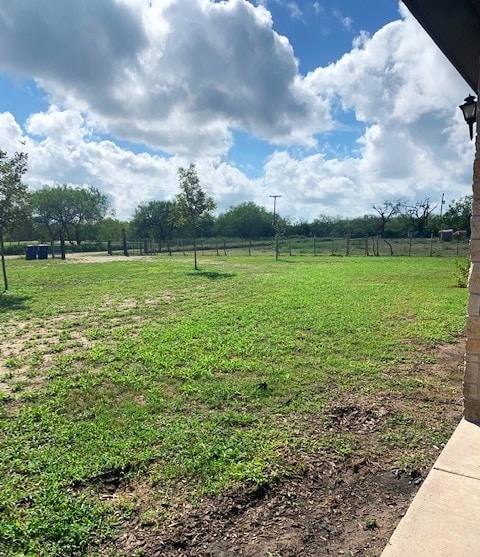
(461, 454)
(442, 521)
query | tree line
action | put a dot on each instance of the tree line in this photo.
(83, 214)
(72, 214)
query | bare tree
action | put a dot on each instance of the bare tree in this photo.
(386, 211)
(419, 214)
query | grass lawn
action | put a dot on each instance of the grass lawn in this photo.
(184, 384)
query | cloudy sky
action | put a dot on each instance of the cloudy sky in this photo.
(333, 104)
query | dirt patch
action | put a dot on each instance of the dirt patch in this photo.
(101, 257)
(324, 505)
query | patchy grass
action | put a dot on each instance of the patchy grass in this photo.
(144, 372)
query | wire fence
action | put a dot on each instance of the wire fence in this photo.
(287, 247)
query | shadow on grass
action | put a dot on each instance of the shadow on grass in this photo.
(9, 302)
(212, 275)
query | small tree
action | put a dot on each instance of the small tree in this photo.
(193, 206)
(13, 198)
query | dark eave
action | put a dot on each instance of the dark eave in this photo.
(454, 25)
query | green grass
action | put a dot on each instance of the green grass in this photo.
(148, 370)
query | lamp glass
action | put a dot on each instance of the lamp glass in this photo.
(469, 109)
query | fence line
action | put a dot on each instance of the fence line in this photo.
(289, 246)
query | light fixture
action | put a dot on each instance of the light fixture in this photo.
(469, 109)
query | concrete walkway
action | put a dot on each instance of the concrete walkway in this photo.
(444, 518)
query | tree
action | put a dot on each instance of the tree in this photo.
(154, 220)
(246, 220)
(193, 207)
(84, 206)
(459, 213)
(109, 229)
(386, 211)
(419, 214)
(13, 198)
(65, 210)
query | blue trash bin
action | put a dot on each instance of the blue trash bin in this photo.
(31, 252)
(42, 251)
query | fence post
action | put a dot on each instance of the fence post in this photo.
(314, 245)
(431, 244)
(289, 247)
(333, 251)
(366, 245)
(410, 246)
(250, 247)
(109, 247)
(347, 252)
(201, 245)
(224, 247)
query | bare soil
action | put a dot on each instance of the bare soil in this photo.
(323, 505)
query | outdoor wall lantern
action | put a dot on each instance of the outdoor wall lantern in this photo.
(469, 109)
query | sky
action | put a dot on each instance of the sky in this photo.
(335, 105)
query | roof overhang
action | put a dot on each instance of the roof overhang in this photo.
(454, 25)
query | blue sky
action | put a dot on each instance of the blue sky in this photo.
(335, 105)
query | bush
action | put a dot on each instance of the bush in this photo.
(462, 270)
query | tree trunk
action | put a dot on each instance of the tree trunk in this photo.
(4, 269)
(62, 244)
(389, 245)
(195, 252)
(124, 242)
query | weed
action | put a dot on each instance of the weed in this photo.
(371, 523)
(12, 363)
(462, 270)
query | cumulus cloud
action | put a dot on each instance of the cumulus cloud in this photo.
(178, 75)
(61, 149)
(396, 75)
(181, 82)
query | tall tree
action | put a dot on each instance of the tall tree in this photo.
(419, 214)
(154, 220)
(246, 220)
(459, 214)
(85, 206)
(65, 210)
(193, 207)
(13, 198)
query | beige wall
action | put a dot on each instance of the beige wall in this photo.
(471, 386)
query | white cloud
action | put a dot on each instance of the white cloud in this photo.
(295, 11)
(318, 8)
(181, 83)
(178, 75)
(346, 21)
